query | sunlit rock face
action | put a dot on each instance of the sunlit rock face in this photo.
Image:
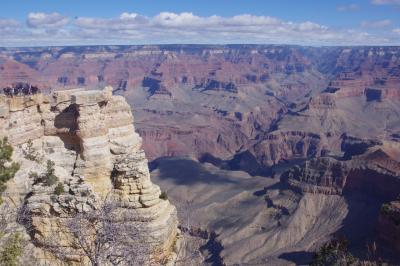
(90, 137)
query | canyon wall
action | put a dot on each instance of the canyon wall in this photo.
(373, 173)
(191, 100)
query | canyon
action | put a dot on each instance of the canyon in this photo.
(277, 148)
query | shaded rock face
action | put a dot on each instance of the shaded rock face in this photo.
(389, 224)
(154, 87)
(90, 137)
(352, 146)
(373, 94)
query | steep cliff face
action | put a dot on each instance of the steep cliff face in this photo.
(389, 224)
(282, 145)
(374, 173)
(90, 137)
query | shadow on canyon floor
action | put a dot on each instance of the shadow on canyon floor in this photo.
(298, 257)
(185, 171)
(244, 161)
(360, 228)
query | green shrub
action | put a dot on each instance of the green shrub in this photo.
(33, 175)
(333, 253)
(164, 195)
(385, 209)
(59, 189)
(11, 251)
(30, 152)
(49, 178)
(7, 167)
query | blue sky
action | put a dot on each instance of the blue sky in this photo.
(307, 22)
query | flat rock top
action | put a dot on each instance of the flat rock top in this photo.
(89, 97)
(63, 95)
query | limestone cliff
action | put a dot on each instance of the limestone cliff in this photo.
(90, 137)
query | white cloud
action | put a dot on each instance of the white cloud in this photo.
(9, 27)
(168, 19)
(376, 24)
(348, 8)
(250, 20)
(186, 27)
(310, 26)
(8, 23)
(385, 2)
(397, 31)
(46, 20)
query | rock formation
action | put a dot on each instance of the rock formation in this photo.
(375, 173)
(90, 137)
(283, 145)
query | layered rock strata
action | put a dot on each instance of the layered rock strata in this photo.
(374, 172)
(90, 137)
(283, 145)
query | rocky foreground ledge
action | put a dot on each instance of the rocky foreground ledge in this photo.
(97, 155)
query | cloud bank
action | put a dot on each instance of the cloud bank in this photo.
(348, 8)
(52, 20)
(385, 2)
(376, 24)
(186, 27)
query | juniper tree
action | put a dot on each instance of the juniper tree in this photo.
(104, 236)
(8, 168)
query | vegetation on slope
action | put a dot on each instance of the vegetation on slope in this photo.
(8, 168)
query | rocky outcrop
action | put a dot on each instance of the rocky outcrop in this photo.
(279, 146)
(323, 101)
(373, 173)
(90, 137)
(216, 85)
(324, 175)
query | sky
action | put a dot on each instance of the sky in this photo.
(97, 22)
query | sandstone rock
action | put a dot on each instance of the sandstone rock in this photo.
(90, 137)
